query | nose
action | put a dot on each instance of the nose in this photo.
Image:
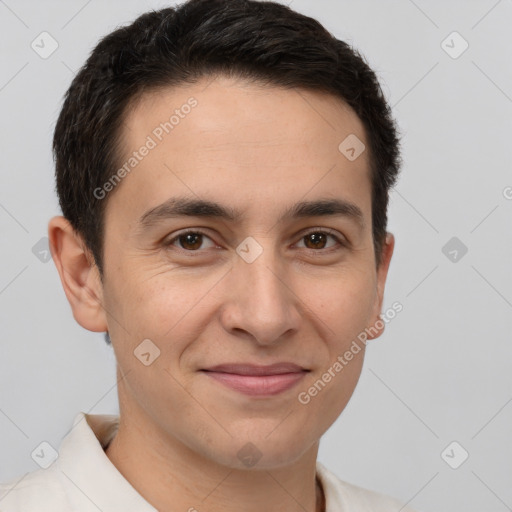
(260, 302)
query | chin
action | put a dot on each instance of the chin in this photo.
(262, 452)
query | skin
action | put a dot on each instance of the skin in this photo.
(259, 149)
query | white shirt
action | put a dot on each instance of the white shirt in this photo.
(82, 479)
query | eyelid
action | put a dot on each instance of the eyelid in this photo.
(196, 231)
(329, 231)
(340, 239)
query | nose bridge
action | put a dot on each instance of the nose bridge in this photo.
(263, 303)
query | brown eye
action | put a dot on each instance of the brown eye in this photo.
(318, 240)
(189, 241)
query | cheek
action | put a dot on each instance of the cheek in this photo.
(341, 386)
(345, 307)
(152, 301)
(344, 304)
(169, 309)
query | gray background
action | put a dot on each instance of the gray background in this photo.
(441, 371)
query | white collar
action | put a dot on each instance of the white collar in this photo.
(99, 484)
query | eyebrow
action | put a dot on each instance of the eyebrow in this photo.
(188, 207)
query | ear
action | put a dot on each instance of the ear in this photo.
(79, 275)
(382, 272)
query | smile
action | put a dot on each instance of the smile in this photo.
(258, 384)
(258, 380)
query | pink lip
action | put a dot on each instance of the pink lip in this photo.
(257, 380)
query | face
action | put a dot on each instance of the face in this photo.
(249, 277)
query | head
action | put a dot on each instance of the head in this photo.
(223, 170)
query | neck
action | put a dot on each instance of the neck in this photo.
(171, 476)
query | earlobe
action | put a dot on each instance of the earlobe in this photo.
(78, 274)
(377, 327)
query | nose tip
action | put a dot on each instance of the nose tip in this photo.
(262, 303)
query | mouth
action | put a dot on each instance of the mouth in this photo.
(255, 380)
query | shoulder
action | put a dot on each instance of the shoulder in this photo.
(353, 498)
(38, 491)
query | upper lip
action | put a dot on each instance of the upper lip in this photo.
(252, 369)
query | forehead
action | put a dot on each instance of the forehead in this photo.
(231, 140)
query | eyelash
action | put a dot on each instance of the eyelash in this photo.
(326, 231)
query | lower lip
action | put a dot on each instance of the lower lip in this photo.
(258, 385)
